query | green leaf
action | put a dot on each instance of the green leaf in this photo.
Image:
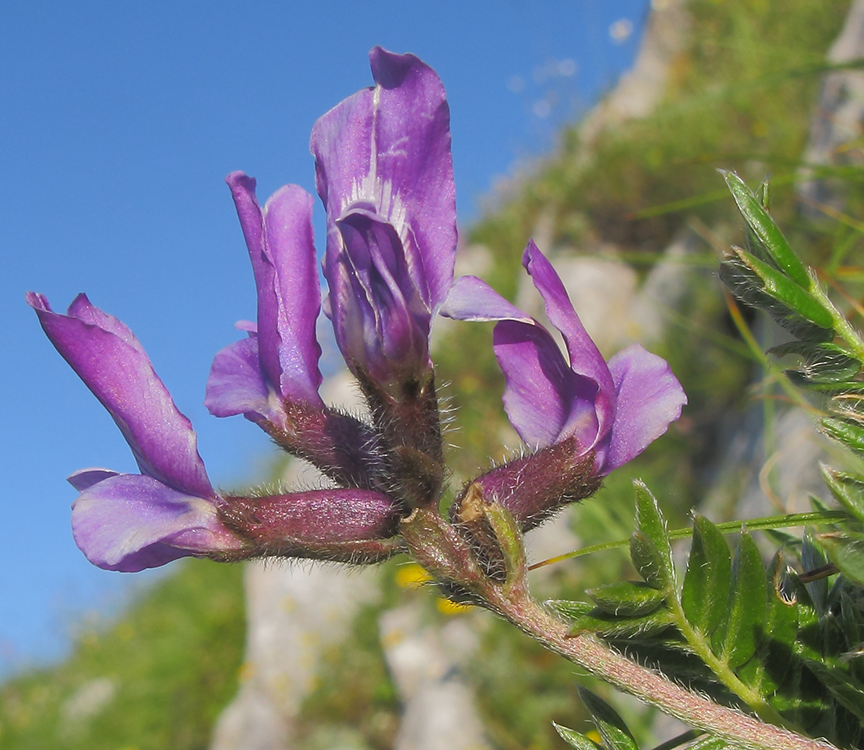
(746, 286)
(706, 583)
(846, 550)
(610, 626)
(845, 386)
(781, 288)
(847, 691)
(627, 599)
(568, 610)
(651, 524)
(611, 726)
(763, 194)
(848, 489)
(813, 558)
(767, 232)
(851, 434)
(710, 743)
(574, 738)
(737, 636)
(824, 362)
(767, 672)
(648, 562)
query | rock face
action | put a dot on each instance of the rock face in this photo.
(424, 660)
(837, 121)
(294, 612)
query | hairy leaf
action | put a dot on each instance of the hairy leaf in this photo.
(627, 599)
(850, 433)
(574, 738)
(710, 743)
(611, 726)
(651, 525)
(706, 583)
(610, 626)
(746, 286)
(847, 552)
(767, 232)
(847, 691)
(648, 561)
(737, 635)
(767, 672)
(824, 362)
(813, 558)
(848, 489)
(568, 610)
(779, 287)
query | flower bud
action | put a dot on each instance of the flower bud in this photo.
(352, 526)
(533, 487)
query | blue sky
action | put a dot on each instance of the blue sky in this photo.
(118, 123)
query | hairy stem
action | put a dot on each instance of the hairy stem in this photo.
(651, 687)
(440, 548)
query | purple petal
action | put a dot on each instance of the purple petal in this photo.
(85, 478)
(236, 385)
(649, 398)
(473, 299)
(387, 150)
(543, 397)
(395, 319)
(113, 365)
(282, 252)
(585, 357)
(131, 522)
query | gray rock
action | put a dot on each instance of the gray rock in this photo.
(425, 661)
(837, 121)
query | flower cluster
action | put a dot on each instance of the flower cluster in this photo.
(385, 176)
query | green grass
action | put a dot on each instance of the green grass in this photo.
(157, 677)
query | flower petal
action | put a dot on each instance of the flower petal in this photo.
(473, 299)
(113, 365)
(130, 522)
(387, 150)
(585, 357)
(396, 321)
(649, 398)
(236, 385)
(282, 251)
(542, 395)
(85, 478)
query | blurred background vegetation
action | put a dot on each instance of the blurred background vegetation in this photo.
(740, 97)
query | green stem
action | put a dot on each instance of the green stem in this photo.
(842, 327)
(697, 641)
(729, 527)
(449, 557)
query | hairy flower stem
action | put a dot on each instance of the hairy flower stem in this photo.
(439, 547)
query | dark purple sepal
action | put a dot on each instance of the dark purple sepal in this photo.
(350, 526)
(408, 427)
(340, 446)
(532, 487)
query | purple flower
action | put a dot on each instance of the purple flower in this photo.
(278, 363)
(128, 522)
(385, 174)
(585, 416)
(272, 377)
